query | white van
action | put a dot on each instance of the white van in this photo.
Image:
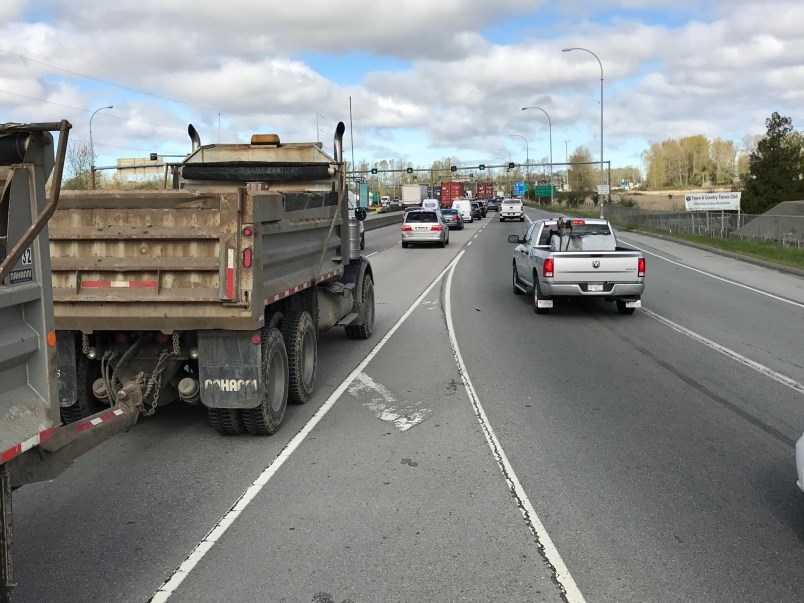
(431, 204)
(465, 207)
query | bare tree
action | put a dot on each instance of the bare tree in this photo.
(79, 165)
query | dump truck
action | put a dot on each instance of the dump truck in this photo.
(35, 445)
(213, 292)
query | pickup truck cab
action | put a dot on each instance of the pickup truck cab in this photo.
(560, 258)
(511, 209)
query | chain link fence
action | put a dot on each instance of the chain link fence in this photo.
(787, 230)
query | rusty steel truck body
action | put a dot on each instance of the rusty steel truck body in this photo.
(214, 292)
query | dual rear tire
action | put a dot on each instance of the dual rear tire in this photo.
(288, 372)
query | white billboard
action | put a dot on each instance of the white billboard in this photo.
(712, 201)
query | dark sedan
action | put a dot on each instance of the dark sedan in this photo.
(452, 218)
(493, 205)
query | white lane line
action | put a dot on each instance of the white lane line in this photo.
(565, 581)
(214, 535)
(720, 278)
(760, 368)
(373, 253)
(469, 243)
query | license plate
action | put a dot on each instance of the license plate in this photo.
(595, 287)
(421, 228)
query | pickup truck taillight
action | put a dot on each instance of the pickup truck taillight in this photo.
(406, 228)
(436, 227)
(641, 267)
(548, 268)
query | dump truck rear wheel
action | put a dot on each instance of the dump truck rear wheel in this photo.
(301, 343)
(226, 421)
(267, 417)
(366, 310)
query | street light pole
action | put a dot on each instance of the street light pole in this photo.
(91, 145)
(527, 160)
(550, 125)
(602, 181)
(509, 170)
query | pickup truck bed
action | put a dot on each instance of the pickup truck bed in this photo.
(583, 261)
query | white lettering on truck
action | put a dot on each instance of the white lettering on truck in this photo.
(230, 385)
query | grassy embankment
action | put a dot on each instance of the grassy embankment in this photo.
(765, 250)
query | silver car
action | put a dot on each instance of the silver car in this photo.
(424, 226)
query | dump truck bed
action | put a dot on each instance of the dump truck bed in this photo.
(188, 259)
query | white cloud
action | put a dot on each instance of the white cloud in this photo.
(717, 73)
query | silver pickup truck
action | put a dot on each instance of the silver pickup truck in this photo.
(561, 258)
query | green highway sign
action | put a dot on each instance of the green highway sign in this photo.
(544, 190)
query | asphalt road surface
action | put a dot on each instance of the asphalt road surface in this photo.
(470, 451)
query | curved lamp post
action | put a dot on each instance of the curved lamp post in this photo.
(602, 180)
(527, 159)
(91, 145)
(550, 124)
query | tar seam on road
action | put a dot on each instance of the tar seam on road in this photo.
(760, 368)
(214, 535)
(561, 575)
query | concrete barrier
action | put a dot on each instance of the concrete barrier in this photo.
(374, 221)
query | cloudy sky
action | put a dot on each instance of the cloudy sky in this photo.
(427, 79)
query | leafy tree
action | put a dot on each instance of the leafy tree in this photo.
(774, 168)
(582, 175)
(722, 154)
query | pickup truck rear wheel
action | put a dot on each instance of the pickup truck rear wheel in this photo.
(517, 290)
(267, 417)
(537, 295)
(301, 343)
(623, 309)
(226, 421)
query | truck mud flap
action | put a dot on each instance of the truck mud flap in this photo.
(68, 378)
(229, 364)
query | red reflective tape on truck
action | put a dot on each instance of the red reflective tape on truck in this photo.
(302, 286)
(119, 284)
(329, 275)
(230, 274)
(286, 293)
(104, 418)
(17, 450)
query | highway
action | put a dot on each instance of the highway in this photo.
(470, 451)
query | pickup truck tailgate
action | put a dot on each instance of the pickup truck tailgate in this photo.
(612, 267)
